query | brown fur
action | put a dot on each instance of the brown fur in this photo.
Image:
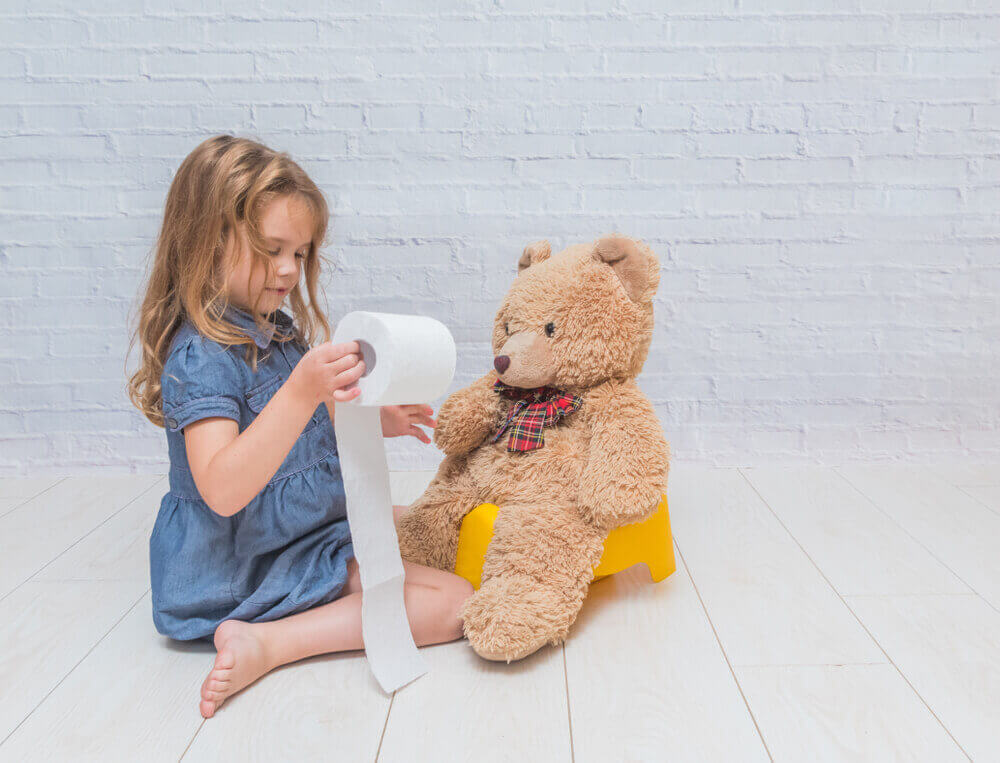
(601, 467)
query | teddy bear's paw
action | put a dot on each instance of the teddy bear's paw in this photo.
(511, 617)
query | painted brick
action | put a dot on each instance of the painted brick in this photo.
(821, 186)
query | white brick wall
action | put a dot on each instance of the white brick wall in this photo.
(822, 185)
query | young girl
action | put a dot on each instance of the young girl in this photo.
(251, 546)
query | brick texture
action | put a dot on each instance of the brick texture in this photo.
(821, 182)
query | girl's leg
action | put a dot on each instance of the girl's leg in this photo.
(246, 651)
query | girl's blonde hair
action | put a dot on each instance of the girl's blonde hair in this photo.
(221, 187)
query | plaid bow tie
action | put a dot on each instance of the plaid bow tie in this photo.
(533, 410)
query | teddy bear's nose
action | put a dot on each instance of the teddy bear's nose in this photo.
(501, 363)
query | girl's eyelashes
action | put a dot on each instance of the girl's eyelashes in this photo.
(300, 255)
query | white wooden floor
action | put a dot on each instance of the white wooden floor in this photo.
(816, 613)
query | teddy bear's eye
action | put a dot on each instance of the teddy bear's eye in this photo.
(506, 328)
(550, 329)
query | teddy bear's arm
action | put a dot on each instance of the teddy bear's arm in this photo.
(469, 416)
(628, 461)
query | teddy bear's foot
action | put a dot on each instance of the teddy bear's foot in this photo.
(512, 616)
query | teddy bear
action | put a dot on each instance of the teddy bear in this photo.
(558, 436)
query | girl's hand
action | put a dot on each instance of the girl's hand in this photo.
(398, 420)
(327, 371)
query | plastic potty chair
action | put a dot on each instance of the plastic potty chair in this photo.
(648, 541)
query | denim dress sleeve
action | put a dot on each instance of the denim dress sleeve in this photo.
(200, 379)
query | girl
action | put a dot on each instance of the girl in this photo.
(251, 545)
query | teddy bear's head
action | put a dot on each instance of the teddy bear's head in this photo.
(579, 318)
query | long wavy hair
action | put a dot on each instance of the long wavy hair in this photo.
(221, 187)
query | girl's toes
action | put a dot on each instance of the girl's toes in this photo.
(219, 674)
(213, 690)
(224, 660)
(207, 684)
(207, 709)
(218, 685)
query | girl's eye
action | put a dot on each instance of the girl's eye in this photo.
(550, 329)
(300, 255)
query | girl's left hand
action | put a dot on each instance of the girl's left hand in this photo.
(399, 420)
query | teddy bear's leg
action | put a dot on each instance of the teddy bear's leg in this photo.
(536, 575)
(428, 530)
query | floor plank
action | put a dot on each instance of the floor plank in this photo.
(70, 604)
(15, 491)
(45, 526)
(960, 531)
(948, 647)
(988, 495)
(27, 487)
(645, 674)
(134, 697)
(768, 602)
(467, 708)
(843, 712)
(7, 504)
(323, 708)
(856, 546)
(650, 648)
(967, 474)
(117, 550)
(45, 630)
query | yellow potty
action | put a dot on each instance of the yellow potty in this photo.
(648, 541)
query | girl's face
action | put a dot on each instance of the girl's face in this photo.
(286, 225)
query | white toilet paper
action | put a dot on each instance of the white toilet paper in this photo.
(409, 359)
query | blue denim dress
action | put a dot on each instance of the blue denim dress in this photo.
(284, 552)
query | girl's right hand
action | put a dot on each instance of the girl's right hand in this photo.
(326, 371)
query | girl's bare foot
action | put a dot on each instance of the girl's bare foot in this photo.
(241, 660)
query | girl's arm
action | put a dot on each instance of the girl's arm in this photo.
(230, 468)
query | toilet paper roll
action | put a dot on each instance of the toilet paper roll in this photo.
(408, 359)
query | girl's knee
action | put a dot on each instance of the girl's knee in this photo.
(451, 597)
(461, 590)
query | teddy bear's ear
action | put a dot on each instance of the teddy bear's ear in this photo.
(533, 254)
(635, 265)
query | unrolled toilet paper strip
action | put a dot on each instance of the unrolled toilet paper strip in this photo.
(409, 359)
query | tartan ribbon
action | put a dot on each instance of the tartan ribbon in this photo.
(533, 410)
